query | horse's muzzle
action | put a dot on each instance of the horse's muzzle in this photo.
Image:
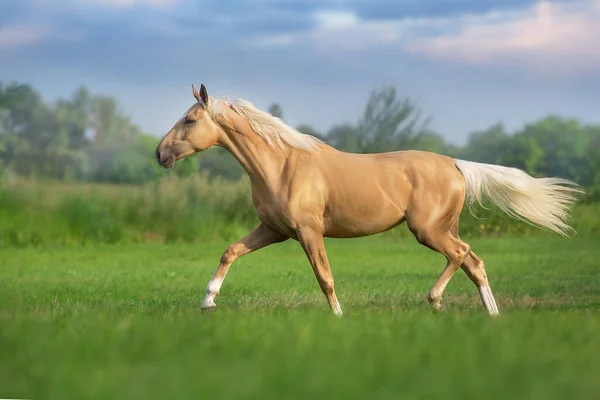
(164, 161)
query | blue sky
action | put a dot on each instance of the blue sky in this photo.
(467, 63)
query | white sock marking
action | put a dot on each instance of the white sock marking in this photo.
(337, 310)
(212, 290)
(487, 297)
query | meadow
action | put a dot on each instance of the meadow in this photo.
(100, 292)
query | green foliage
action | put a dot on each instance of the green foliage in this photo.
(172, 210)
(309, 130)
(275, 110)
(89, 138)
(388, 122)
(193, 209)
(552, 146)
(90, 219)
(86, 137)
(429, 141)
(1, 170)
(185, 167)
(134, 162)
(346, 137)
(218, 162)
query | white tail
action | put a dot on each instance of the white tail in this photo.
(543, 202)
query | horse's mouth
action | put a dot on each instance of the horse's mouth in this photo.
(168, 164)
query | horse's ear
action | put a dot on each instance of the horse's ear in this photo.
(195, 92)
(203, 94)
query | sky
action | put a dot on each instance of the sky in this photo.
(466, 63)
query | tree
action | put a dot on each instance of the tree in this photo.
(218, 162)
(346, 137)
(89, 136)
(275, 110)
(388, 122)
(563, 146)
(486, 146)
(309, 130)
(428, 141)
(594, 157)
(26, 132)
(185, 167)
(72, 121)
(134, 163)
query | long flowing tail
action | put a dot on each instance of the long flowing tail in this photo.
(542, 202)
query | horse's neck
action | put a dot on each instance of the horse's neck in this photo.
(262, 163)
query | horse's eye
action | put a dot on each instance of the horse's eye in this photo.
(189, 121)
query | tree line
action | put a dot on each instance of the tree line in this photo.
(89, 137)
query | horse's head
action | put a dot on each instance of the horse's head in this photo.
(195, 131)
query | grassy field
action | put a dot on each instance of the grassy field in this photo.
(123, 321)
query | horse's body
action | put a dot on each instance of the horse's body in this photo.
(306, 190)
(356, 194)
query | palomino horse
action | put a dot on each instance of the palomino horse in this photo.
(305, 189)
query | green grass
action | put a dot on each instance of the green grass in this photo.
(123, 321)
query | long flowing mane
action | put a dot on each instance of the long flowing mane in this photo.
(267, 126)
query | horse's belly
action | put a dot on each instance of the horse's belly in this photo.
(352, 222)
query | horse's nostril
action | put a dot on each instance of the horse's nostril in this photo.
(157, 154)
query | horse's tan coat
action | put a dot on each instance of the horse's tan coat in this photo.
(315, 191)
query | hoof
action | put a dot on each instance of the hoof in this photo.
(208, 309)
(436, 304)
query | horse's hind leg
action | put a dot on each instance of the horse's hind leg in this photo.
(439, 236)
(475, 270)
(455, 252)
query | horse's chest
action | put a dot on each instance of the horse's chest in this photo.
(275, 214)
(276, 220)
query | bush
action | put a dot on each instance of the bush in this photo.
(90, 219)
(193, 209)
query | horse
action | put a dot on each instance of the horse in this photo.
(304, 189)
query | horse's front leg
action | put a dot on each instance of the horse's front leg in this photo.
(260, 237)
(312, 243)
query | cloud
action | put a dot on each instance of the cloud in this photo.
(22, 35)
(346, 30)
(129, 3)
(399, 9)
(28, 23)
(547, 38)
(333, 29)
(551, 38)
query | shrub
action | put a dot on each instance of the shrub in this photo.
(175, 209)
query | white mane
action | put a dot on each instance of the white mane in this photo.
(270, 128)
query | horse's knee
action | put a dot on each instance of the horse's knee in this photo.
(232, 253)
(460, 252)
